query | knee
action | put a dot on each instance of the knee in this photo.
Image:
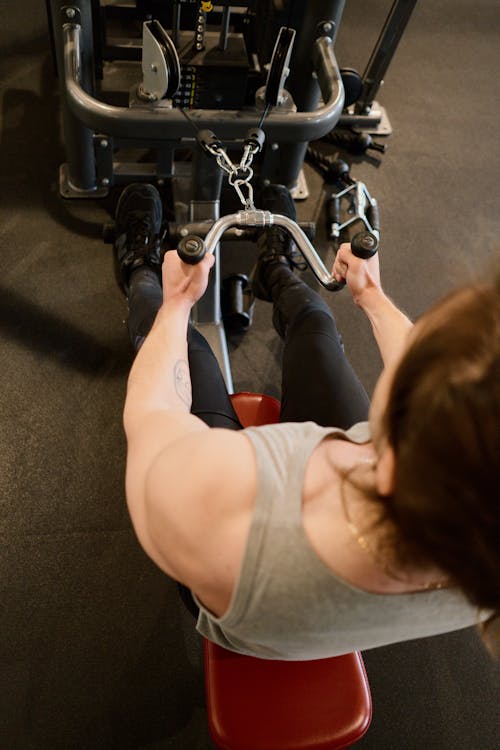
(314, 317)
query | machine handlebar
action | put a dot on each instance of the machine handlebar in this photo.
(192, 249)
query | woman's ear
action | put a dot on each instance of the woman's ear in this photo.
(385, 472)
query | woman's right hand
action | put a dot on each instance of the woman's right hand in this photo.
(360, 275)
(182, 281)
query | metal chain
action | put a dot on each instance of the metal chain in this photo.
(238, 176)
(238, 184)
(221, 158)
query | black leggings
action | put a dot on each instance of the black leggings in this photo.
(318, 382)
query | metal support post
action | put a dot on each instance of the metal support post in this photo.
(302, 82)
(224, 31)
(206, 314)
(383, 52)
(78, 175)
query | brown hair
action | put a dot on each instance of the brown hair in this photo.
(443, 422)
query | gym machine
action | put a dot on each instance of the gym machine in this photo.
(218, 85)
(183, 93)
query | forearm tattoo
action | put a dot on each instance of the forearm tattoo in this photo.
(182, 381)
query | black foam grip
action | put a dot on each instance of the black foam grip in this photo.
(373, 216)
(191, 249)
(336, 286)
(333, 210)
(364, 245)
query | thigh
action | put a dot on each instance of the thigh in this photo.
(319, 383)
(210, 398)
(211, 403)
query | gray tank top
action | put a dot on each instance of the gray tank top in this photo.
(287, 604)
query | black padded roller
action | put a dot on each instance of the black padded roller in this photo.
(373, 217)
(333, 211)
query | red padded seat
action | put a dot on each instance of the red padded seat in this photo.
(255, 409)
(261, 704)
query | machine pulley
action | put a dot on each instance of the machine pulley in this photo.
(161, 69)
(279, 67)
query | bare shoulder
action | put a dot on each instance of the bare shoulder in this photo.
(204, 461)
(200, 492)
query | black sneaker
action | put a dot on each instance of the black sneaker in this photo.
(275, 243)
(138, 226)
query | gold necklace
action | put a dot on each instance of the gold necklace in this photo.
(379, 562)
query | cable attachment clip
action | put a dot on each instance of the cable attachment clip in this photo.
(253, 144)
(239, 182)
(209, 141)
(239, 176)
(211, 144)
(244, 173)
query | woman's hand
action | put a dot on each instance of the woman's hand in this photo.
(360, 275)
(390, 325)
(183, 282)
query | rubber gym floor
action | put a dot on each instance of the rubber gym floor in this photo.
(95, 647)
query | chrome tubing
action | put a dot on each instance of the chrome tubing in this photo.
(150, 122)
(256, 218)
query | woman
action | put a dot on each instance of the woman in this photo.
(304, 540)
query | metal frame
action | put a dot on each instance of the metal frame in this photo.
(367, 114)
(93, 129)
(152, 123)
(85, 116)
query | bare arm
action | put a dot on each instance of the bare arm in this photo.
(159, 378)
(390, 325)
(180, 486)
(158, 400)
